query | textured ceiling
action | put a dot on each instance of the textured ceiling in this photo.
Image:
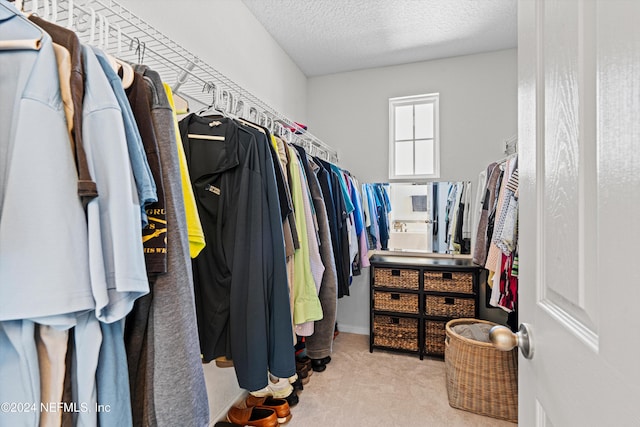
(330, 36)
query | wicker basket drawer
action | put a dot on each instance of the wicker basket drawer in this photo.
(395, 332)
(434, 335)
(395, 301)
(397, 278)
(440, 281)
(444, 306)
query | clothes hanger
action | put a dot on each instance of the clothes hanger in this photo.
(116, 63)
(140, 49)
(253, 114)
(127, 72)
(51, 11)
(22, 44)
(70, 15)
(210, 87)
(238, 110)
(227, 104)
(182, 105)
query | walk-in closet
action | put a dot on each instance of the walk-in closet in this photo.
(319, 213)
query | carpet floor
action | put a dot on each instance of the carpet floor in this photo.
(382, 388)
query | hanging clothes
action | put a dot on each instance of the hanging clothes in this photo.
(315, 260)
(280, 354)
(194, 226)
(486, 206)
(154, 234)
(497, 233)
(342, 234)
(143, 176)
(319, 345)
(307, 305)
(68, 40)
(290, 233)
(173, 322)
(227, 175)
(383, 208)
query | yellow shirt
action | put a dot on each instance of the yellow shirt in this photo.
(194, 227)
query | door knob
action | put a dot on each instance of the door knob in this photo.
(505, 340)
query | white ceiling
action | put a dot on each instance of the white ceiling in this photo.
(330, 36)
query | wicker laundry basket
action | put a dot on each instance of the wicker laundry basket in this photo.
(480, 378)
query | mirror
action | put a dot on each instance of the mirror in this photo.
(434, 217)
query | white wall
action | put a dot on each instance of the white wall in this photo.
(226, 35)
(478, 109)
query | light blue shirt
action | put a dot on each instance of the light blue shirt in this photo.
(116, 256)
(343, 189)
(145, 184)
(44, 262)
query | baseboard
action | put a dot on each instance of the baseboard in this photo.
(222, 415)
(353, 329)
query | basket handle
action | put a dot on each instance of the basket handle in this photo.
(395, 272)
(446, 341)
(447, 276)
(449, 300)
(395, 296)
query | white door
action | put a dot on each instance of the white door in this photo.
(579, 142)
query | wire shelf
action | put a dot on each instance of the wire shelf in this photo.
(116, 30)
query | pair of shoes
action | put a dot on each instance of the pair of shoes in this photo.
(280, 388)
(280, 406)
(256, 417)
(320, 365)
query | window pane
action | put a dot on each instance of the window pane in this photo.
(424, 157)
(404, 122)
(404, 158)
(424, 121)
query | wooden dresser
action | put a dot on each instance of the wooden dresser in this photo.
(412, 298)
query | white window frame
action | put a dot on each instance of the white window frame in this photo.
(430, 98)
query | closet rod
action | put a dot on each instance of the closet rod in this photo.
(141, 42)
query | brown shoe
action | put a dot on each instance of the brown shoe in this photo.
(223, 362)
(304, 368)
(305, 361)
(281, 406)
(256, 417)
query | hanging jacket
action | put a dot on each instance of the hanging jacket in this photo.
(280, 351)
(155, 233)
(333, 217)
(307, 305)
(319, 344)
(176, 399)
(224, 164)
(87, 189)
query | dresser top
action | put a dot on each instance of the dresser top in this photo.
(413, 261)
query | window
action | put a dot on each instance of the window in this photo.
(414, 143)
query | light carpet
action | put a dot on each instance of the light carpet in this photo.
(382, 388)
